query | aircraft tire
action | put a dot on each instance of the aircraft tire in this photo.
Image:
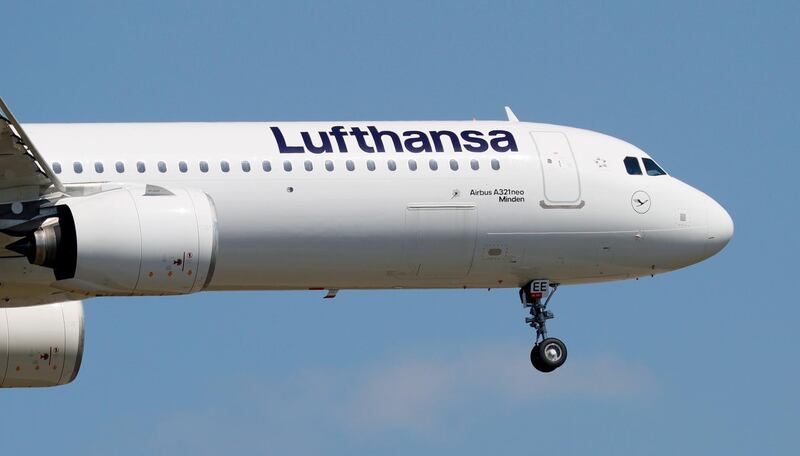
(550, 354)
(536, 360)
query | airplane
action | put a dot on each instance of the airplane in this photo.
(154, 209)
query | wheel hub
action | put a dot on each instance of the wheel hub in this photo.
(552, 352)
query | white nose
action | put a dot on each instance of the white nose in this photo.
(720, 228)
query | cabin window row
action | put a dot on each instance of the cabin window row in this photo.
(266, 165)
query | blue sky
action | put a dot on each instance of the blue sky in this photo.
(701, 360)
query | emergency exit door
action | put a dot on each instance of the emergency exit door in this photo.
(560, 177)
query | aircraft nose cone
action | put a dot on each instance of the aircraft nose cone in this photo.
(720, 228)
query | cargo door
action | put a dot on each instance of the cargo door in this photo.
(440, 240)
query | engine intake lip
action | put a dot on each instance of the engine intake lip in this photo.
(79, 354)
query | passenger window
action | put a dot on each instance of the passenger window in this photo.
(350, 165)
(392, 165)
(120, 167)
(329, 165)
(371, 165)
(632, 165)
(183, 167)
(308, 165)
(287, 166)
(412, 165)
(454, 165)
(474, 164)
(98, 167)
(245, 166)
(140, 167)
(224, 166)
(266, 166)
(204, 166)
(56, 167)
(652, 168)
(434, 166)
(495, 164)
(162, 167)
(77, 167)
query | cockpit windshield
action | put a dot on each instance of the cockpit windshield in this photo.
(652, 168)
(632, 166)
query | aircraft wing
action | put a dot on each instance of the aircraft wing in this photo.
(24, 175)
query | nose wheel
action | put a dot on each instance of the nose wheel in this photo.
(548, 353)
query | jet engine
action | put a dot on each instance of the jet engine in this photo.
(40, 345)
(146, 240)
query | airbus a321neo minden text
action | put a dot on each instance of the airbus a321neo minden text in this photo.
(153, 209)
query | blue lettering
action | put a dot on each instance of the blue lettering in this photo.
(504, 137)
(373, 140)
(474, 141)
(419, 138)
(326, 142)
(362, 143)
(282, 147)
(339, 133)
(377, 136)
(437, 140)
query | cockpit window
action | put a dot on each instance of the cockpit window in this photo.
(632, 165)
(652, 168)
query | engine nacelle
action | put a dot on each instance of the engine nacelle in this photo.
(40, 345)
(145, 240)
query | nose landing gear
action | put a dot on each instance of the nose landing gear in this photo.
(548, 353)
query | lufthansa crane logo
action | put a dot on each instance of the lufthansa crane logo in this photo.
(640, 202)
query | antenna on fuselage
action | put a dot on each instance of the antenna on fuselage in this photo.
(510, 114)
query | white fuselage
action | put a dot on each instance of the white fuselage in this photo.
(561, 206)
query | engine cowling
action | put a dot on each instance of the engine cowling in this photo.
(145, 240)
(40, 345)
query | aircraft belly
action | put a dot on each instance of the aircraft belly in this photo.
(313, 236)
(348, 234)
(391, 233)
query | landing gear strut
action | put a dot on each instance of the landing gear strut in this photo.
(548, 353)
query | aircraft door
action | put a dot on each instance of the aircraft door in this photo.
(560, 177)
(440, 240)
